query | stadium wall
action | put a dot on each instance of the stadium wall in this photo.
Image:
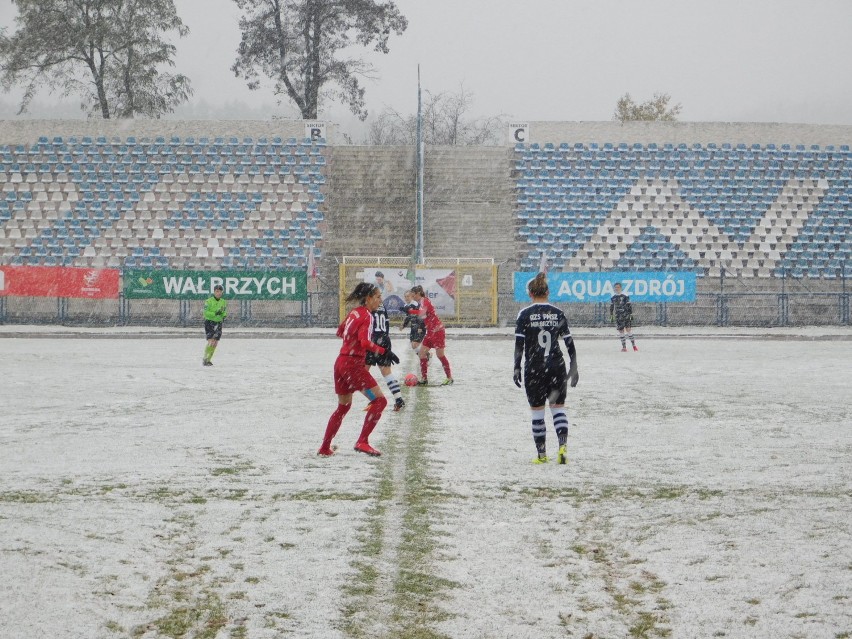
(688, 133)
(27, 131)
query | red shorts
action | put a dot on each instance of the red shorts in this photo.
(438, 339)
(351, 375)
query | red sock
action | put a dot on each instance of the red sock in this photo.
(374, 412)
(334, 423)
(446, 364)
(424, 366)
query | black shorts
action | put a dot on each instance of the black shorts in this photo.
(380, 359)
(213, 330)
(546, 386)
(417, 334)
(623, 322)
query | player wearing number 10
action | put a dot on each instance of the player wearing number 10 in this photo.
(381, 336)
(537, 334)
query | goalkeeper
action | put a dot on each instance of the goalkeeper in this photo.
(621, 312)
(215, 312)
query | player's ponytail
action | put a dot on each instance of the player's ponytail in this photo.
(538, 286)
(418, 290)
(362, 292)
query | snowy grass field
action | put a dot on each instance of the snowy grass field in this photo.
(708, 493)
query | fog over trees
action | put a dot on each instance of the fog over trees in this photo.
(114, 55)
(300, 46)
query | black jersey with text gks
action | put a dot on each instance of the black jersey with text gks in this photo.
(541, 326)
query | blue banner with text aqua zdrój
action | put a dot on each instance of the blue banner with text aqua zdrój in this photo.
(655, 286)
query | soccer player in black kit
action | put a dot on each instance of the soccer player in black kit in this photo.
(417, 329)
(381, 336)
(621, 312)
(545, 378)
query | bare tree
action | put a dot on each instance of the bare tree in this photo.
(626, 110)
(445, 123)
(109, 52)
(298, 44)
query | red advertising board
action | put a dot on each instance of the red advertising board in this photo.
(58, 281)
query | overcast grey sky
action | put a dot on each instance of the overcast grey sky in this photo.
(723, 60)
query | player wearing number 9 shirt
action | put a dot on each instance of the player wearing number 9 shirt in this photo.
(545, 378)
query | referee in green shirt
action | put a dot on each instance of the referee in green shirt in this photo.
(215, 312)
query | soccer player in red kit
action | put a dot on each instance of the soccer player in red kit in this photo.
(435, 336)
(350, 375)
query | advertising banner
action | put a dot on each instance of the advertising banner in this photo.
(59, 281)
(194, 285)
(654, 286)
(440, 287)
(393, 281)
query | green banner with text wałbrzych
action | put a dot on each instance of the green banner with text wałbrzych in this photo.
(193, 285)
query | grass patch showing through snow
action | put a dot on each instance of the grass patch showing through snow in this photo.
(193, 608)
(407, 498)
(635, 594)
(26, 497)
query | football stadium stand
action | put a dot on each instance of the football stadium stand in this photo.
(184, 203)
(752, 210)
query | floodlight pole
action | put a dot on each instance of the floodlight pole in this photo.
(418, 242)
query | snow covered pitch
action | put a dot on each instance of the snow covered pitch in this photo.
(708, 492)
